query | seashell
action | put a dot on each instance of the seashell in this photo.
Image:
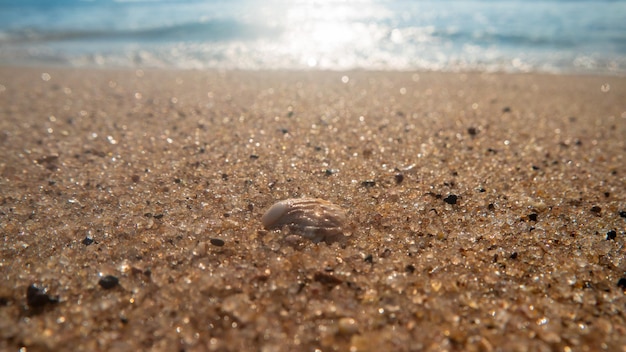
(312, 218)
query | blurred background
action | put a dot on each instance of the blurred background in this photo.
(560, 36)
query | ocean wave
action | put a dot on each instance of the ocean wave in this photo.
(213, 30)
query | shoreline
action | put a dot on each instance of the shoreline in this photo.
(488, 210)
(566, 73)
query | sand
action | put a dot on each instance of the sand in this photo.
(486, 211)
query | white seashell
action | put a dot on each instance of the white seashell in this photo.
(315, 219)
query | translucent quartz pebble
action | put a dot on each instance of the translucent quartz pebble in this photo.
(315, 219)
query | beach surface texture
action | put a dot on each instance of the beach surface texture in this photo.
(485, 212)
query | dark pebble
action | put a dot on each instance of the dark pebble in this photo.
(37, 297)
(135, 178)
(368, 183)
(385, 253)
(472, 131)
(254, 156)
(330, 172)
(399, 177)
(87, 241)
(596, 209)
(491, 206)
(108, 282)
(217, 242)
(611, 235)
(177, 180)
(451, 199)
(513, 255)
(410, 268)
(327, 279)
(621, 283)
(369, 259)
(622, 213)
(158, 216)
(506, 109)
(532, 217)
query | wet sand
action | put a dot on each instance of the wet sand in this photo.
(487, 211)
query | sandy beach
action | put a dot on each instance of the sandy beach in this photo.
(486, 212)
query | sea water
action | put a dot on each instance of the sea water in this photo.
(443, 35)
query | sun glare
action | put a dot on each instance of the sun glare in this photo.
(318, 32)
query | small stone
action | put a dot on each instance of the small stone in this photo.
(399, 177)
(451, 199)
(87, 241)
(217, 242)
(254, 156)
(327, 279)
(108, 282)
(347, 326)
(622, 213)
(532, 217)
(369, 259)
(410, 268)
(513, 255)
(506, 109)
(621, 283)
(611, 235)
(472, 131)
(37, 297)
(135, 178)
(368, 183)
(596, 209)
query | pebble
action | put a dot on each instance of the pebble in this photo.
(611, 235)
(315, 219)
(347, 326)
(368, 183)
(37, 297)
(108, 282)
(217, 242)
(451, 199)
